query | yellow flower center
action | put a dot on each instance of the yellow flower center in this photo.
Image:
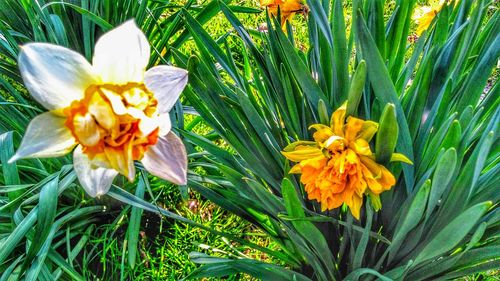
(106, 123)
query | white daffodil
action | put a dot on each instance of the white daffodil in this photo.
(113, 111)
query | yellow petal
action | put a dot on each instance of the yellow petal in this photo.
(375, 200)
(353, 128)
(86, 130)
(293, 145)
(121, 160)
(316, 163)
(355, 206)
(296, 169)
(136, 98)
(102, 111)
(401, 158)
(270, 2)
(335, 143)
(291, 6)
(374, 167)
(352, 157)
(338, 120)
(302, 153)
(387, 178)
(368, 130)
(322, 133)
(361, 147)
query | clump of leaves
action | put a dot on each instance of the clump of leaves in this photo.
(441, 219)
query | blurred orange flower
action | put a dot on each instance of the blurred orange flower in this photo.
(287, 8)
(424, 15)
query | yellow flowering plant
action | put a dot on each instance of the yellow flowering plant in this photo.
(110, 113)
(321, 176)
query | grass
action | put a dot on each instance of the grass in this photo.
(164, 244)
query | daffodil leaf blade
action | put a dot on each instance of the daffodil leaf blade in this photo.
(306, 229)
(411, 219)
(453, 232)
(363, 242)
(10, 171)
(47, 209)
(384, 91)
(356, 274)
(341, 57)
(18, 234)
(135, 223)
(221, 267)
(86, 13)
(321, 19)
(204, 40)
(442, 177)
(309, 86)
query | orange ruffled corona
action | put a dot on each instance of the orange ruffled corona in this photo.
(287, 8)
(107, 137)
(338, 166)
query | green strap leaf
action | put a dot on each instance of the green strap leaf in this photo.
(453, 233)
(386, 93)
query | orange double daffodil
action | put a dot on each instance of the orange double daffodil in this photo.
(287, 8)
(339, 166)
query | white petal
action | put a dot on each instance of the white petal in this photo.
(167, 159)
(46, 136)
(122, 54)
(165, 124)
(55, 76)
(149, 124)
(94, 179)
(166, 83)
(116, 102)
